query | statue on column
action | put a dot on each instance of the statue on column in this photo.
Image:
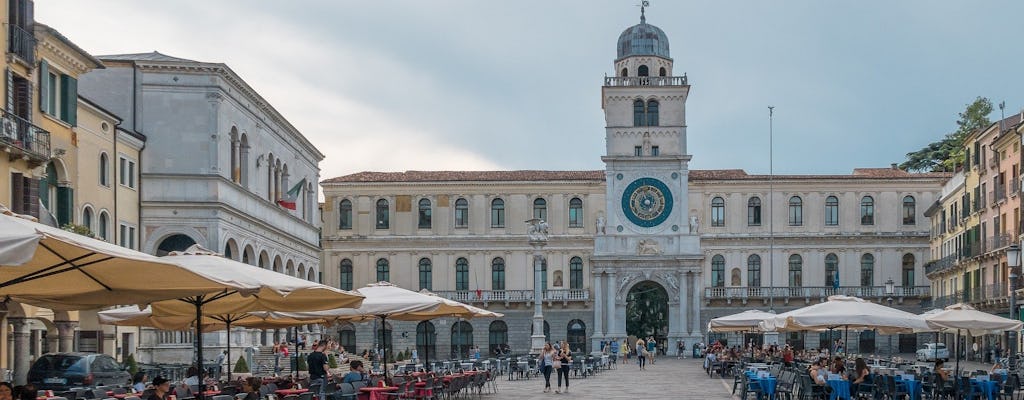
(538, 230)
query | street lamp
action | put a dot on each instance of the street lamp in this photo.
(1012, 262)
(890, 288)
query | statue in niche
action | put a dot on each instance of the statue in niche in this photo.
(694, 224)
(600, 225)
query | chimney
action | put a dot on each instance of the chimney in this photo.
(895, 166)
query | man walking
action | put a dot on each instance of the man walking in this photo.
(220, 363)
(317, 363)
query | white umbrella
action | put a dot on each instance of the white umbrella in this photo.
(740, 322)
(459, 309)
(848, 312)
(964, 317)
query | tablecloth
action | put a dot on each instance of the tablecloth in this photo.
(913, 388)
(422, 391)
(375, 393)
(989, 388)
(840, 389)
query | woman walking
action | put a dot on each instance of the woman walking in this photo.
(564, 360)
(641, 348)
(545, 362)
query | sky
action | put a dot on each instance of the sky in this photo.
(395, 85)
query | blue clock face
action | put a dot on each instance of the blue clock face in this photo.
(647, 202)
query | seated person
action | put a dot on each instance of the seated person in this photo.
(251, 389)
(941, 374)
(839, 367)
(996, 367)
(818, 372)
(356, 372)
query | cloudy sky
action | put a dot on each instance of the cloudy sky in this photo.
(393, 85)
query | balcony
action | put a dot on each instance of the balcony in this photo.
(514, 296)
(22, 43)
(645, 80)
(940, 265)
(23, 139)
(809, 292)
(999, 193)
(997, 242)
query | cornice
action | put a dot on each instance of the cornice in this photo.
(66, 58)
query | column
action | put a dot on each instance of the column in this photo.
(599, 317)
(236, 155)
(684, 306)
(611, 312)
(21, 355)
(695, 295)
(65, 335)
(537, 340)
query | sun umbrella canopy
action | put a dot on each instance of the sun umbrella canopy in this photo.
(967, 318)
(384, 300)
(744, 321)
(133, 316)
(847, 312)
(458, 309)
(57, 269)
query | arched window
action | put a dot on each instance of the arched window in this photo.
(576, 336)
(461, 274)
(638, 113)
(907, 271)
(867, 211)
(345, 214)
(754, 211)
(575, 213)
(426, 340)
(87, 218)
(347, 337)
(498, 273)
(796, 211)
(831, 211)
(540, 209)
(345, 283)
(383, 214)
(235, 171)
(754, 270)
(575, 273)
(717, 211)
(103, 228)
(662, 72)
(867, 270)
(642, 71)
(652, 113)
(625, 72)
(426, 274)
(909, 210)
(718, 271)
(796, 270)
(244, 152)
(424, 214)
(462, 339)
(104, 170)
(831, 270)
(497, 213)
(383, 270)
(497, 338)
(461, 213)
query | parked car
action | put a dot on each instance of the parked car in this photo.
(60, 371)
(932, 352)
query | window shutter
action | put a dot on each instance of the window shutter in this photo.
(45, 195)
(44, 87)
(17, 192)
(30, 10)
(65, 199)
(9, 78)
(32, 197)
(69, 110)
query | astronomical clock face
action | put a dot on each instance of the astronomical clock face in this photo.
(647, 202)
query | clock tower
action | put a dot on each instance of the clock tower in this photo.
(649, 241)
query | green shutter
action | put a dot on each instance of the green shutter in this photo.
(44, 87)
(69, 95)
(65, 201)
(44, 194)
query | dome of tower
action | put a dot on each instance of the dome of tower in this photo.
(643, 39)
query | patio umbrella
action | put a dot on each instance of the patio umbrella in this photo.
(61, 270)
(749, 320)
(848, 312)
(964, 317)
(385, 300)
(458, 309)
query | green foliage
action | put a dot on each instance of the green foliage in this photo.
(302, 364)
(332, 362)
(79, 229)
(647, 311)
(949, 153)
(133, 366)
(241, 366)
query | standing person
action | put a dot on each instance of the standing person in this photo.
(652, 348)
(285, 354)
(220, 363)
(625, 349)
(161, 387)
(641, 350)
(614, 347)
(680, 349)
(545, 361)
(564, 358)
(974, 351)
(317, 363)
(277, 357)
(301, 344)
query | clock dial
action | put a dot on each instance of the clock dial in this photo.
(647, 202)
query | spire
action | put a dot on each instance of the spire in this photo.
(643, 4)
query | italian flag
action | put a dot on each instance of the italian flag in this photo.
(288, 201)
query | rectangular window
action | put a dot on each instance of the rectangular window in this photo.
(461, 217)
(126, 236)
(655, 150)
(53, 91)
(126, 172)
(638, 151)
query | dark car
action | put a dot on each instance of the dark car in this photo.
(60, 371)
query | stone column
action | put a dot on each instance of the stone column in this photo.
(65, 335)
(684, 304)
(695, 328)
(599, 317)
(537, 339)
(21, 350)
(611, 312)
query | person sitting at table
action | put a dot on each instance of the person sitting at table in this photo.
(356, 372)
(995, 367)
(861, 374)
(251, 388)
(161, 388)
(787, 356)
(6, 391)
(193, 377)
(839, 367)
(139, 381)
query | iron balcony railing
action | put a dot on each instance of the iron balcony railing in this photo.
(712, 293)
(22, 43)
(513, 296)
(997, 242)
(645, 80)
(1000, 192)
(22, 134)
(940, 265)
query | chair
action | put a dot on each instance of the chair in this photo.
(119, 390)
(183, 392)
(223, 397)
(70, 395)
(1011, 385)
(346, 392)
(98, 394)
(786, 385)
(750, 387)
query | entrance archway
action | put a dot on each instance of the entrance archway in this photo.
(647, 311)
(177, 242)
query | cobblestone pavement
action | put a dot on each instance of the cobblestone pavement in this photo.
(669, 378)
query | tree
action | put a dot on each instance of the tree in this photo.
(948, 153)
(647, 310)
(241, 366)
(130, 363)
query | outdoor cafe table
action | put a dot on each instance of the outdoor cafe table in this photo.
(913, 386)
(767, 383)
(286, 392)
(376, 393)
(422, 391)
(988, 387)
(840, 389)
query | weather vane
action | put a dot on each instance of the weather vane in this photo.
(643, 4)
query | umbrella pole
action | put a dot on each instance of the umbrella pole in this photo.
(384, 345)
(956, 347)
(228, 323)
(199, 346)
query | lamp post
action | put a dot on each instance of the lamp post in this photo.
(1012, 262)
(890, 288)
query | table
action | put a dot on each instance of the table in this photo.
(840, 389)
(768, 385)
(375, 393)
(989, 388)
(423, 391)
(913, 388)
(287, 392)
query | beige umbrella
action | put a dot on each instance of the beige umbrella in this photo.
(459, 309)
(749, 320)
(847, 312)
(964, 317)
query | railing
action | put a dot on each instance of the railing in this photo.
(1014, 185)
(645, 80)
(998, 242)
(20, 133)
(971, 250)
(813, 292)
(1000, 192)
(22, 43)
(940, 265)
(513, 296)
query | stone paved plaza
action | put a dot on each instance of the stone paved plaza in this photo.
(669, 378)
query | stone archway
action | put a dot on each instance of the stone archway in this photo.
(175, 242)
(647, 311)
